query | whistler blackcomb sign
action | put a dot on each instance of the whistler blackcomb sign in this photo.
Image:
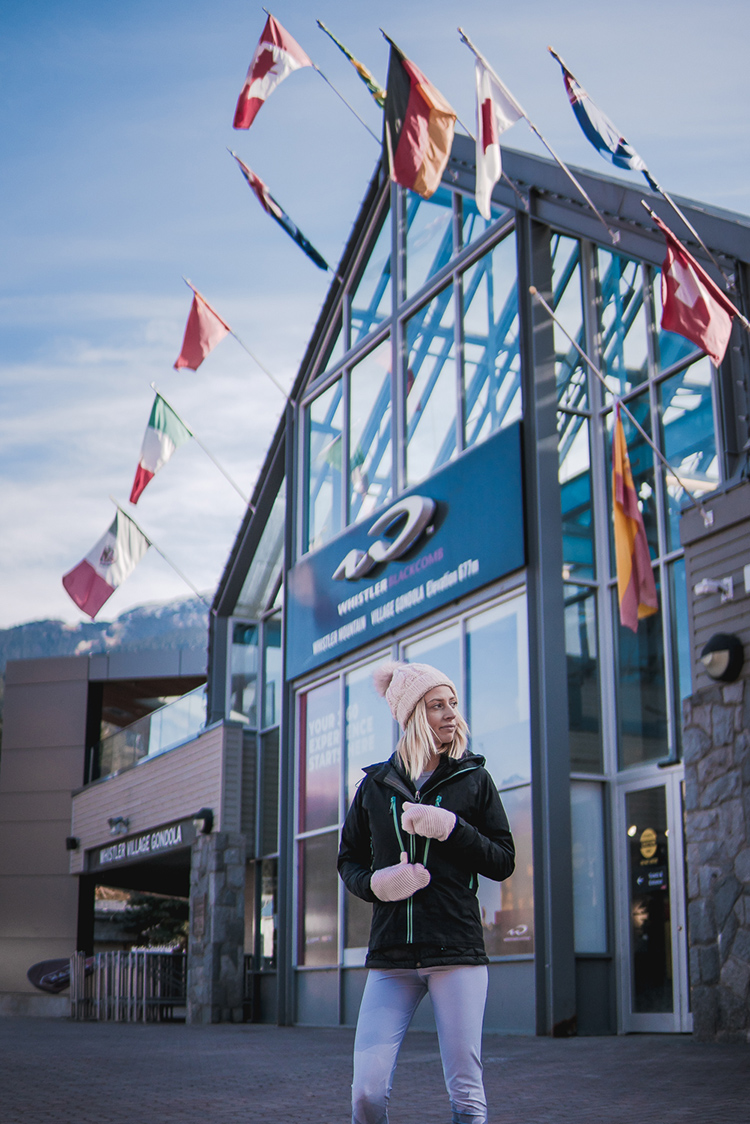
(454, 533)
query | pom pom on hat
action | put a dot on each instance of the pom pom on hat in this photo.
(404, 684)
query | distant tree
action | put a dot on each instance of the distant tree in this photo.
(157, 921)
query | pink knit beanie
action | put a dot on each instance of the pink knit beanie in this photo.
(404, 684)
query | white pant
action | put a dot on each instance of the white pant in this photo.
(390, 999)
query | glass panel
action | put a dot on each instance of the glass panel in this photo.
(497, 670)
(324, 421)
(272, 656)
(583, 680)
(357, 919)
(641, 465)
(430, 388)
(650, 931)
(442, 650)
(370, 429)
(689, 440)
(622, 322)
(265, 568)
(163, 729)
(589, 878)
(672, 348)
(269, 792)
(641, 690)
(251, 871)
(320, 754)
(336, 353)
(318, 913)
(243, 702)
(683, 684)
(566, 290)
(575, 495)
(371, 303)
(492, 363)
(369, 725)
(507, 908)
(429, 237)
(473, 225)
(268, 913)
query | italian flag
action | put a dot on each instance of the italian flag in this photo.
(105, 567)
(164, 433)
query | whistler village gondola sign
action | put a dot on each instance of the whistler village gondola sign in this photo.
(450, 535)
(145, 845)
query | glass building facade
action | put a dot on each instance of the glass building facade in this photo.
(429, 346)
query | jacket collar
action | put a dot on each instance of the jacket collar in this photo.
(391, 772)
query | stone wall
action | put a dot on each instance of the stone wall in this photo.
(216, 947)
(716, 724)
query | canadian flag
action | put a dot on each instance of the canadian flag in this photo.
(497, 110)
(692, 305)
(276, 56)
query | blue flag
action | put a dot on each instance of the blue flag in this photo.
(272, 208)
(598, 128)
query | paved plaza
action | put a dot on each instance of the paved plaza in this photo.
(58, 1072)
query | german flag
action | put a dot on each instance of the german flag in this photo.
(418, 126)
(635, 578)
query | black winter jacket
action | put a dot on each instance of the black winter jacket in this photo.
(440, 924)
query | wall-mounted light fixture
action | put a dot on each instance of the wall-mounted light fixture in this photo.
(724, 586)
(723, 657)
(72, 842)
(204, 821)
(118, 825)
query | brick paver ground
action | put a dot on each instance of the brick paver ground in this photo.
(106, 1073)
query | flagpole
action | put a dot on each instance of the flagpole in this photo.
(707, 515)
(208, 452)
(614, 234)
(652, 183)
(158, 550)
(742, 319)
(231, 331)
(336, 92)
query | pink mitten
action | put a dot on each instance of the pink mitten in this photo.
(427, 820)
(393, 883)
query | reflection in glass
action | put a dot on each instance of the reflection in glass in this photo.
(672, 348)
(492, 379)
(498, 705)
(370, 429)
(689, 439)
(265, 569)
(442, 650)
(507, 908)
(318, 913)
(371, 303)
(622, 322)
(369, 726)
(680, 637)
(575, 495)
(429, 236)
(324, 421)
(473, 225)
(320, 756)
(268, 913)
(269, 792)
(244, 660)
(589, 878)
(357, 919)
(430, 387)
(583, 680)
(641, 459)
(650, 926)
(566, 299)
(641, 689)
(272, 656)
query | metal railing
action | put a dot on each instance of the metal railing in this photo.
(166, 728)
(135, 986)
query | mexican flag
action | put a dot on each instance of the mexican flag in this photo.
(107, 565)
(165, 432)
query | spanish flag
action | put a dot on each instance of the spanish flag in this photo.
(635, 578)
(418, 126)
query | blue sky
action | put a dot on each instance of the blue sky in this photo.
(115, 182)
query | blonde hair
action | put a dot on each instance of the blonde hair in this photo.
(418, 742)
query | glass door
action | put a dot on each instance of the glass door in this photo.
(654, 992)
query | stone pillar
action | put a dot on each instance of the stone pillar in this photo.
(216, 946)
(716, 721)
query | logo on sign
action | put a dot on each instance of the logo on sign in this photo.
(408, 520)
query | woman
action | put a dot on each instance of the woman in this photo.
(421, 827)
